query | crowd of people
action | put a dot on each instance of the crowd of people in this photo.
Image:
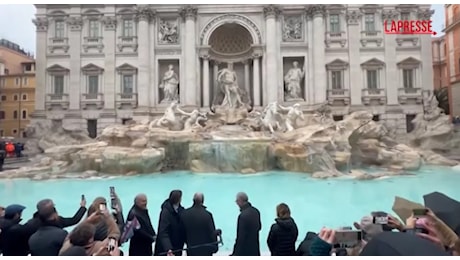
(12, 149)
(192, 230)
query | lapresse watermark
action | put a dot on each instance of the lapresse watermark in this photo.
(408, 27)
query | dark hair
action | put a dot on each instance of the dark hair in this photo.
(175, 196)
(283, 211)
(82, 234)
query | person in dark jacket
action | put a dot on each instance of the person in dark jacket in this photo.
(304, 247)
(15, 236)
(143, 238)
(49, 238)
(199, 229)
(63, 222)
(283, 234)
(171, 237)
(248, 228)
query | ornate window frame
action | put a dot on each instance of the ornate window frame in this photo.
(92, 70)
(57, 70)
(413, 64)
(373, 64)
(337, 65)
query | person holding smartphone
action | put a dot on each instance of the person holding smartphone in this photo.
(143, 237)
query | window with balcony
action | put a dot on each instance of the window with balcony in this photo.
(372, 79)
(408, 68)
(128, 28)
(372, 71)
(334, 23)
(59, 29)
(93, 84)
(93, 76)
(405, 16)
(58, 85)
(94, 31)
(337, 79)
(57, 81)
(369, 23)
(127, 86)
(15, 114)
(2, 114)
(408, 78)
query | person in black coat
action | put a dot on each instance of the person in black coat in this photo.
(49, 238)
(143, 238)
(248, 228)
(171, 237)
(304, 247)
(283, 234)
(199, 229)
(62, 221)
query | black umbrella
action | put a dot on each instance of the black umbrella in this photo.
(401, 244)
(445, 208)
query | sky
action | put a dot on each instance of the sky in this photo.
(16, 23)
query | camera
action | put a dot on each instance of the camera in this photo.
(347, 238)
(419, 212)
(380, 220)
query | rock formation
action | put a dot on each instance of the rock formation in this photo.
(262, 141)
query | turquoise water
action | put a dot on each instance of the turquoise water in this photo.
(314, 203)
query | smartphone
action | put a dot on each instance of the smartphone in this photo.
(348, 238)
(419, 212)
(112, 244)
(380, 220)
(113, 199)
(102, 207)
(83, 197)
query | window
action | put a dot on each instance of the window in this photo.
(15, 98)
(17, 81)
(14, 131)
(28, 67)
(369, 22)
(372, 79)
(25, 81)
(93, 84)
(24, 114)
(334, 21)
(405, 16)
(15, 114)
(24, 96)
(128, 28)
(127, 84)
(93, 28)
(3, 98)
(336, 79)
(7, 71)
(2, 82)
(408, 78)
(59, 85)
(2, 114)
(59, 29)
(1, 132)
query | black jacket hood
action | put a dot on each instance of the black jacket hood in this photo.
(286, 223)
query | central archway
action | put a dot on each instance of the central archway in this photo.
(230, 41)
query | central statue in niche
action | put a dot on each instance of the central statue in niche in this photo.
(293, 79)
(231, 103)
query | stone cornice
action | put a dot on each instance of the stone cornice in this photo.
(189, 12)
(271, 11)
(41, 23)
(145, 13)
(75, 23)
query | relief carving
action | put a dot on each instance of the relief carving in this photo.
(168, 32)
(292, 28)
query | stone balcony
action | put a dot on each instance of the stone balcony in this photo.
(371, 39)
(58, 44)
(59, 101)
(406, 95)
(127, 42)
(93, 43)
(368, 95)
(126, 100)
(338, 96)
(335, 38)
(92, 100)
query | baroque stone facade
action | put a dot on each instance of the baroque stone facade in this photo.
(102, 64)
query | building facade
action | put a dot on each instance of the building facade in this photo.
(101, 64)
(452, 39)
(17, 89)
(440, 77)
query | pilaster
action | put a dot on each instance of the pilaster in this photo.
(189, 14)
(75, 24)
(271, 13)
(427, 58)
(391, 71)
(110, 25)
(41, 24)
(356, 76)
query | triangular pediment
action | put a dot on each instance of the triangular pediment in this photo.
(409, 61)
(126, 67)
(337, 64)
(57, 68)
(91, 67)
(373, 62)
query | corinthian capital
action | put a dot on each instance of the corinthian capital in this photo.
(144, 13)
(424, 14)
(41, 23)
(271, 11)
(390, 15)
(189, 12)
(316, 10)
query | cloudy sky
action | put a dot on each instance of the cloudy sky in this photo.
(16, 23)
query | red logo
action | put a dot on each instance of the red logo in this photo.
(408, 27)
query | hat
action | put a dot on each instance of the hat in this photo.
(369, 228)
(14, 209)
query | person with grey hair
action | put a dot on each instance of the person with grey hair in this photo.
(141, 242)
(200, 230)
(248, 228)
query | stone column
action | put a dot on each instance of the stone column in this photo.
(256, 80)
(110, 26)
(247, 82)
(40, 64)
(206, 89)
(427, 58)
(354, 43)
(144, 16)
(271, 13)
(391, 71)
(320, 76)
(189, 13)
(75, 24)
(215, 71)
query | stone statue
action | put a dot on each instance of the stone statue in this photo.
(432, 109)
(293, 113)
(168, 120)
(292, 80)
(193, 120)
(324, 113)
(228, 83)
(270, 117)
(292, 29)
(167, 32)
(170, 85)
